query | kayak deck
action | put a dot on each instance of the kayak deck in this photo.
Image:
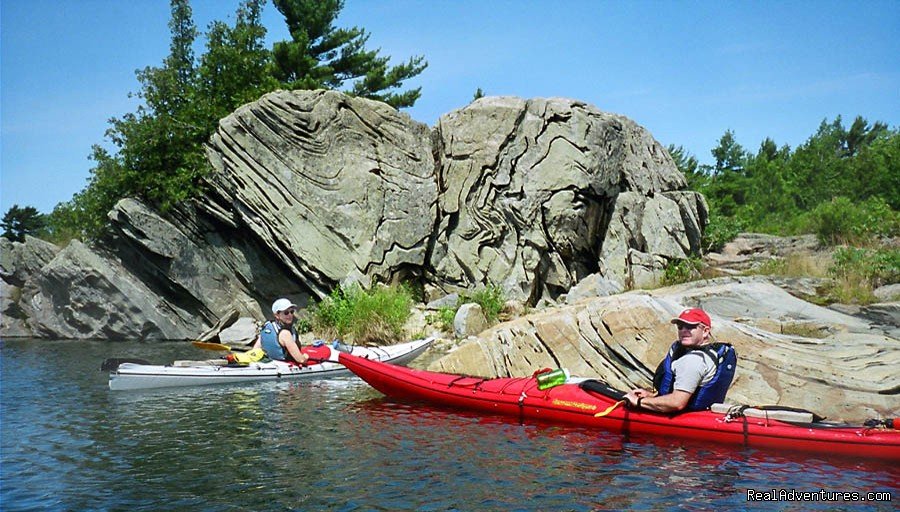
(571, 404)
(132, 376)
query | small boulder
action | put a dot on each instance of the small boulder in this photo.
(469, 320)
(594, 285)
(241, 332)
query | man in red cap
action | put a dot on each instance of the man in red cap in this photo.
(696, 372)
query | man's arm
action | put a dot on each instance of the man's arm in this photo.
(673, 402)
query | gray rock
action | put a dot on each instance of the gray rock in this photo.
(527, 187)
(332, 186)
(447, 301)
(883, 313)
(469, 320)
(82, 294)
(594, 285)
(19, 260)
(310, 189)
(888, 293)
(243, 331)
(13, 321)
(194, 260)
(751, 250)
(513, 308)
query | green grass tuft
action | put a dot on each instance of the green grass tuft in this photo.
(363, 316)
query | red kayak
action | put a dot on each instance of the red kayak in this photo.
(593, 404)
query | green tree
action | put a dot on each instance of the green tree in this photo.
(689, 166)
(729, 154)
(860, 135)
(783, 192)
(236, 66)
(876, 169)
(825, 165)
(322, 56)
(18, 222)
(727, 187)
(159, 154)
(768, 185)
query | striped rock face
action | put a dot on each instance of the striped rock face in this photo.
(335, 187)
(311, 189)
(538, 194)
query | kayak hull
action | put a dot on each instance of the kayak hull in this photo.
(519, 397)
(131, 376)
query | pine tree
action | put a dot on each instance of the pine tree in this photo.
(322, 56)
(18, 222)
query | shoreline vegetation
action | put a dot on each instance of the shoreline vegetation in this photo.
(849, 275)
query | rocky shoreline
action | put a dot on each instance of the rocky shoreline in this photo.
(558, 204)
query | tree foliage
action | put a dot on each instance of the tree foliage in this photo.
(842, 183)
(158, 151)
(320, 56)
(20, 221)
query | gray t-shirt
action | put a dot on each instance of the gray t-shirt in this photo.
(692, 370)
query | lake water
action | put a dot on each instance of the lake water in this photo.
(68, 443)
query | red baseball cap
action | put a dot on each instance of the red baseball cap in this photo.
(693, 316)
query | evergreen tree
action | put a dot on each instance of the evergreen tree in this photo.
(18, 222)
(160, 156)
(727, 187)
(729, 154)
(322, 56)
(689, 166)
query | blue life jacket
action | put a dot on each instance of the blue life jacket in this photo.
(707, 394)
(269, 340)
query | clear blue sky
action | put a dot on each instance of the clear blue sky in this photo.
(685, 70)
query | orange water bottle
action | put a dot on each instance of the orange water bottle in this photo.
(554, 378)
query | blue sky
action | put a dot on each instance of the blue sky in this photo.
(685, 70)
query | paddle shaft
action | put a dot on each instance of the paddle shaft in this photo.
(206, 345)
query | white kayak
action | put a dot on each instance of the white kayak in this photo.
(197, 373)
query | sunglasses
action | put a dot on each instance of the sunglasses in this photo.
(687, 327)
(288, 312)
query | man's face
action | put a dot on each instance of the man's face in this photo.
(691, 335)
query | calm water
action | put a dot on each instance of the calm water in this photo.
(68, 443)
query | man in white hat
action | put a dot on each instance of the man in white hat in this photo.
(278, 337)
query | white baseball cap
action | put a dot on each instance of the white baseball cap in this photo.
(281, 305)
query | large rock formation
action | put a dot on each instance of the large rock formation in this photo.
(314, 188)
(535, 195)
(333, 186)
(848, 373)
